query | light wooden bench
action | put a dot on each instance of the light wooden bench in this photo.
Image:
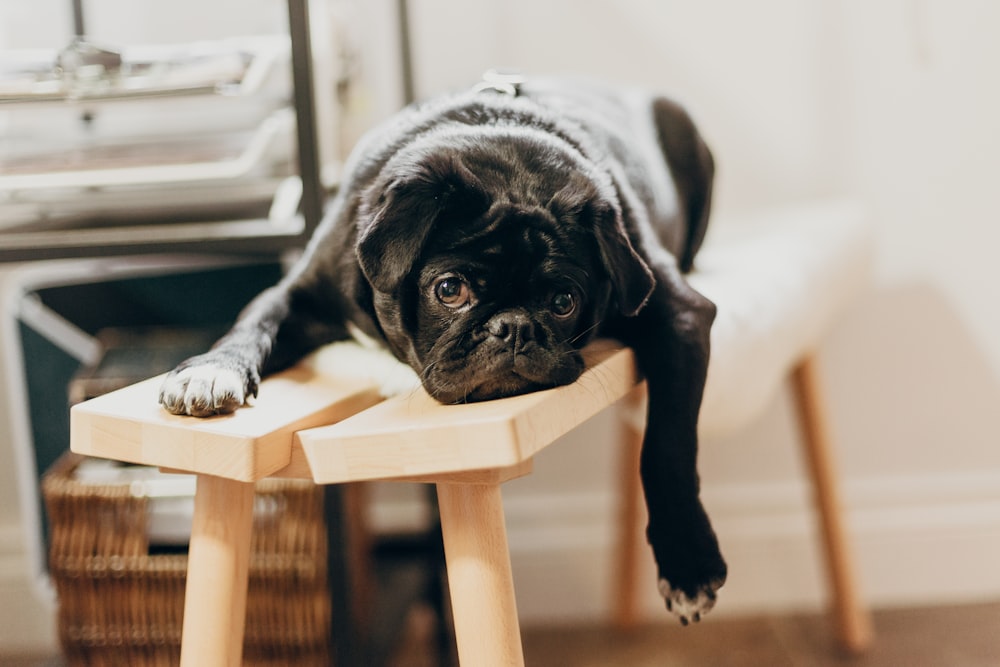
(312, 426)
(780, 280)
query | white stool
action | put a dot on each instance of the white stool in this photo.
(780, 280)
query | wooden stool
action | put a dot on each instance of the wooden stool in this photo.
(335, 431)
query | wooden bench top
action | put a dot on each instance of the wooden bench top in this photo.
(304, 424)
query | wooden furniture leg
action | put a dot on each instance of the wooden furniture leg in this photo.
(479, 575)
(624, 587)
(216, 591)
(853, 621)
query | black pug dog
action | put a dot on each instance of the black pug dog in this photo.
(485, 237)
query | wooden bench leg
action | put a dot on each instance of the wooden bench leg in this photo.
(216, 591)
(854, 630)
(479, 575)
(630, 511)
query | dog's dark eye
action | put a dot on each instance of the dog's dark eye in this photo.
(452, 292)
(563, 304)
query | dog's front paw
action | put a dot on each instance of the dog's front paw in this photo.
(690, 567)
(687, 608)
(204, 389)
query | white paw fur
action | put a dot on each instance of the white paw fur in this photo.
(203, 390)
(687, 609)
(365, 364)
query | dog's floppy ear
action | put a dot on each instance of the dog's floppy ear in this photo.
(394, 227)
(632, 281)
(631, 278)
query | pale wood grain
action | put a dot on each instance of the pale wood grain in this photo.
(631, 512)
(250, 444)
(297, 466)
(479, 575)
(469, 450)
(216, 590)
(487, 476)
(415, 436)
(410, 436)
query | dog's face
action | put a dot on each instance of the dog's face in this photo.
(493, 261)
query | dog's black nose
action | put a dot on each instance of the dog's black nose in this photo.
(512, 327)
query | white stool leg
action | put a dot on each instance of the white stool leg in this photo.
(218, 559)
(853, 620)
(479, 575)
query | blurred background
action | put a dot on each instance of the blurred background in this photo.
(893, 103)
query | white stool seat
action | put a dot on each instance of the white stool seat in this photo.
(779, 279)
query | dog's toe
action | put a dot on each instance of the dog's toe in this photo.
(203, 390)
(686, 608)
(172, 393)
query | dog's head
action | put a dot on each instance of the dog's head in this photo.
(493, 259)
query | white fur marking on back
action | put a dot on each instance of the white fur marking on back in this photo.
(365, 362)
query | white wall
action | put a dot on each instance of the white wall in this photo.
(892, 101)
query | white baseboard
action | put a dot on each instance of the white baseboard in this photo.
(27, 612)
(917, 540)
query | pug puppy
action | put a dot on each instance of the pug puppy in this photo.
(485, 237)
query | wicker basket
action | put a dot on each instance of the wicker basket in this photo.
(121, 605)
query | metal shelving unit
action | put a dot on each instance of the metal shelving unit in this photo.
(264, 215)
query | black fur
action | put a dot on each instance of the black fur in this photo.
(486, 238)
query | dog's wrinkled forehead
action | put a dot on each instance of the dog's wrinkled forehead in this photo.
(521, 243)
(472, 184)
(471, 180)
(503, 230)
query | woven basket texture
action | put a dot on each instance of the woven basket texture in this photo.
(121, 605)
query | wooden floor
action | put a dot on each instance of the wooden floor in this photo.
(965, 636)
